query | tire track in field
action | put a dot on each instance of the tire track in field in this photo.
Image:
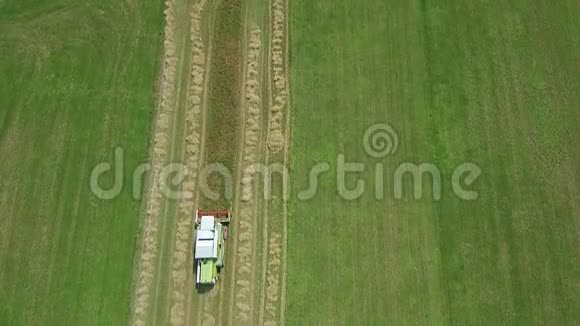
(272, 300)
(193, 152)
(158, 156)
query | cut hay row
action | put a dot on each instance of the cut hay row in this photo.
(273, 264)
(245, 241)
(279, 73)
(182, 246)
(272, 287)
(149, 248)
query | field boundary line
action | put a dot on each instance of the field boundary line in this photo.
(286, 164)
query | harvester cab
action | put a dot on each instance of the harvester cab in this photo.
(211, 232)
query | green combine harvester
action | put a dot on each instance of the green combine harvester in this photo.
(211, 233)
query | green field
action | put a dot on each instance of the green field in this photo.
(77, 80)
(493, 83)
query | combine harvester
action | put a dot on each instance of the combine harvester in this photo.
(210, 236)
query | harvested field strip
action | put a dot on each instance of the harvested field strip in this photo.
(170, 204)
(275, 209)
(286, 187)
(244, 247)
(178, 141)
(194, 303)
(148, 254)
(183, 238)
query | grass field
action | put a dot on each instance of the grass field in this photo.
(77, 80)
(490, 83)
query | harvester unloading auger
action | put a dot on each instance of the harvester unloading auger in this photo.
(209, 249)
